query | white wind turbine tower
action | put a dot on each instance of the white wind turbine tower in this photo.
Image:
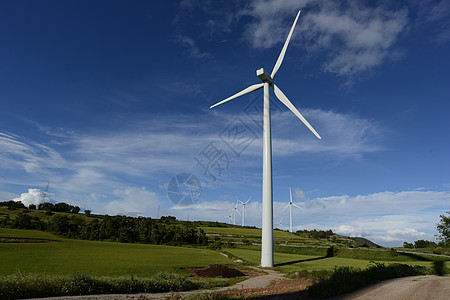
(267, 212)
(243, 210)
(290, 209)
(235, 210)
(229, 219)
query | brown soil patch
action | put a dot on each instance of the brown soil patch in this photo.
(216, 271)
(281, 289)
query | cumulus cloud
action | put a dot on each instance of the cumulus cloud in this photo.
(33, 196)
(355, 37)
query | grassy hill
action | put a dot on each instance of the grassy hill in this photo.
(68, 256)
(168, 229)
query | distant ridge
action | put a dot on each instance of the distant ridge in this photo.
(365, 242)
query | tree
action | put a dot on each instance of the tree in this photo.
(45, 206)
(443, 227)
(424, 244)
(75, 209)
(408, 245)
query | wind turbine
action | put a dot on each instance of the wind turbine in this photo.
(229, 219)
(280, 223)
(268, 80)
(235, 210)
(290, 209)
(243, 210)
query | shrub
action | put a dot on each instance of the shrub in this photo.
(21, 285)
(314, 274)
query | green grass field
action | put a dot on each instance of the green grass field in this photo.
(27, 234)
(97, 258)
(67, 256)
(286, 262)
(254, 235)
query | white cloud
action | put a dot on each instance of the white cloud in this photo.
(387, 218)
(34, 196)
(21, 153)
(133, 201)
(143, 151)
(356, 38)
(299, 194)
(348, 230)
(342, 134)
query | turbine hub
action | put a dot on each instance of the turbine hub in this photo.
(264, 76)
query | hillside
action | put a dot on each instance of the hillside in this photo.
(166, 230)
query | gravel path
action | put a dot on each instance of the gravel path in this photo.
(406, 288)
(250, 283)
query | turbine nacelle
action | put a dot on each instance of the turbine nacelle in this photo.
(264, 76)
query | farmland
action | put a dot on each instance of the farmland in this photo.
(66, 256)
(287, 262)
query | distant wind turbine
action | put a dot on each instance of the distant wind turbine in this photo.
(229, 218)
(243, 210)
(235, 210)
(280, 223)
(268, 80)
(290, 204)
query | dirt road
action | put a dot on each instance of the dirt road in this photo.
(407, 288)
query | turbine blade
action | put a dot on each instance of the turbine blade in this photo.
(290, 194)
(283, 51)
(297, 206)
(285, 207)
(238, 212)
(289, 105)
(243, 92)
(248, 199)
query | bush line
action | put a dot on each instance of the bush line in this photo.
(21, 285)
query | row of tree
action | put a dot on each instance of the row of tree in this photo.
(166, 230)
(420, 244)
(315, 234)
(47, 206)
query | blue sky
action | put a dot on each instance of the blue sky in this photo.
(107, 101)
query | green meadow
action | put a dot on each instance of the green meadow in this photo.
(287, 262)
(67, 256)
(253, 235)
